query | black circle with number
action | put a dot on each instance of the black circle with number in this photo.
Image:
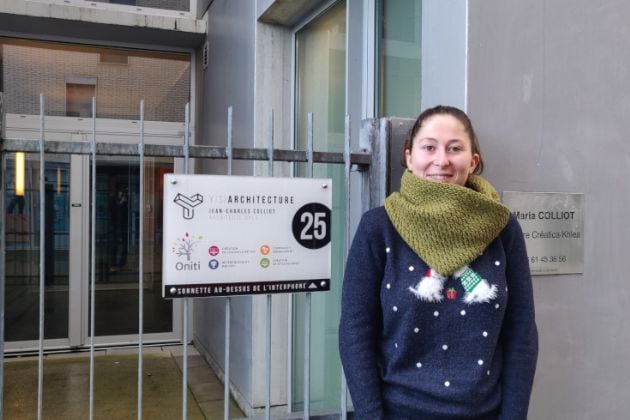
(311, 225)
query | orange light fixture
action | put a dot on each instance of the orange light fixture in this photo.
(19, 174)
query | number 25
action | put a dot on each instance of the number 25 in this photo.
(315, 221)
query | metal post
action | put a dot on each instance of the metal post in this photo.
(2, 277)
(228, 300)
(185, 338)
(307, 297)
(42, 234)
(346, 161)
(93, 260)
(141, 262)
(268, 343)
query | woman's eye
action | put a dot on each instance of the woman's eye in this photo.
(428, 147)
(455, 149)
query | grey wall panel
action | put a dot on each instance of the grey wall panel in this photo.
(229, 78)
(547, 92)
(443, 64)
(228, 81)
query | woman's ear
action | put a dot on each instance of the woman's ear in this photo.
(408, 158)
(474, 162)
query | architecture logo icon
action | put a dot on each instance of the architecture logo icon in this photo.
(188, 204)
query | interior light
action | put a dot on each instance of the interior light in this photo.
(58, 180)
(19, 174)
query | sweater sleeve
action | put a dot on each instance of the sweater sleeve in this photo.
(361, 320)
(519, 334)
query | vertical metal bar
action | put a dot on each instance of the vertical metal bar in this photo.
(228, 300)
(268, 341)
(230, 146)
(2, 276)
(141, 262)
(270, 144)
(92, 259)
(42, 235)
(307, 297)
(346, 161)
(185, 332)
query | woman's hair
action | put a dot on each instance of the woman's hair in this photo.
(443, 110)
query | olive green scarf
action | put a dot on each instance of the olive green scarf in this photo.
(447, 225)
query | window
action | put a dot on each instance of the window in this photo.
(79, 94)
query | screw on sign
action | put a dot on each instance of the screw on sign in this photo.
(311, 226)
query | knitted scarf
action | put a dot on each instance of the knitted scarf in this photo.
(448, 226)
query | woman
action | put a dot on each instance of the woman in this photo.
(437, 309)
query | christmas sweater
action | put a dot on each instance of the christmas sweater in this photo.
(405, 357)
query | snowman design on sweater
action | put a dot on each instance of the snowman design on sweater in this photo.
(478, 290)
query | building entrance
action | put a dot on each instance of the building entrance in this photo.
(67, 260)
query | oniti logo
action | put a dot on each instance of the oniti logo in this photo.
(188, 204)
(184, 246)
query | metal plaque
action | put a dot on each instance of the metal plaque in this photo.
(553, 227)
(236, 235)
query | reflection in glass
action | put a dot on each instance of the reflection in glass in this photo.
(22, 244)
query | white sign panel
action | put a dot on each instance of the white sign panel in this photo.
(234, 235)
(553, 227)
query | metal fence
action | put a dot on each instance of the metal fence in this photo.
(371, 162)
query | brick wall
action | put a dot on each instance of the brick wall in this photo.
(27, 71)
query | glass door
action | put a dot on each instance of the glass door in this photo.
(118, 250)
(67, 251)
(22, 244)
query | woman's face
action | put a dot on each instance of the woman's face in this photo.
(441, 151)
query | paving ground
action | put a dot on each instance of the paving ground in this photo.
(66, 386)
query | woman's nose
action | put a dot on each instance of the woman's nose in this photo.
(440, 159)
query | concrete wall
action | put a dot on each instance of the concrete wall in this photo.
(547, 88)
(183, 5)
(249, 69)
(227, 81)
(443, 60)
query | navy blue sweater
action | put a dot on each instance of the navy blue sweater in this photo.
(405, 358)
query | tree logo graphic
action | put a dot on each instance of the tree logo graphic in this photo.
(185, 246)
